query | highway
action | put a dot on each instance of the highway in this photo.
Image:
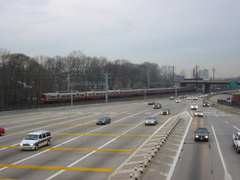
(83, 150)
(216, 159)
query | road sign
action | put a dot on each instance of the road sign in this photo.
(233, 84)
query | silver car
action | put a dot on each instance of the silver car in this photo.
(165, 111)
(151, 120)
(194, 106)
(198, 113)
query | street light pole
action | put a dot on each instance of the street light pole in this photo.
(196, 75)
(106, 86)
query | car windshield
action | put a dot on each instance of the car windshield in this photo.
(199, 110)
(165, 110)
(102, 118)
(201, 130)
(150, 118)
(31, 137)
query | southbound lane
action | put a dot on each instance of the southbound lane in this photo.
(215, 159)
(80, 149)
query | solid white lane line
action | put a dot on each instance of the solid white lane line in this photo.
(236, 128)
(227, 175)
(169, 176)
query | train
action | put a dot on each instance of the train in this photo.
(66, 96)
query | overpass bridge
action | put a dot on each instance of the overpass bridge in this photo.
(207, 84)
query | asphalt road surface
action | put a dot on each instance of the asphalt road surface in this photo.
(82, 150)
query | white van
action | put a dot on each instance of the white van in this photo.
(35, 140)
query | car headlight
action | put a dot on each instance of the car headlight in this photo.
(196, 136)
(31, 144)
(206, 136)
(21, 144)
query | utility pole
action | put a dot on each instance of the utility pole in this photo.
(68, 80)
(213, 72)
(106, 86)
(173, 75)
(148, 79)
(196, 74)
(70, 88)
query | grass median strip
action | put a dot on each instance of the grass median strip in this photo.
(77, 149)
(56, 168)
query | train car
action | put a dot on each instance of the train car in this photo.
(114, 93)
(64, 96)
(235, 100)
(127, 92)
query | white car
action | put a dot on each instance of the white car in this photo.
(165, 111)
(195, 98)
(35, 140)
(202, 96)
(178, 101)
(189, 98)
(194, 106)
(198, 113)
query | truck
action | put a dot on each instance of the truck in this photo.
(236, 141)
(235, 100)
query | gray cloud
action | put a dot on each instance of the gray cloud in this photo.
(180, 33)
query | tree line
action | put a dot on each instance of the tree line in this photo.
(24, 79)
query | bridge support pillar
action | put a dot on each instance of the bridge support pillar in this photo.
(206, 88)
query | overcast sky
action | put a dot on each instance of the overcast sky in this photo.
(180, 33)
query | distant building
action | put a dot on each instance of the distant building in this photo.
(203, 74)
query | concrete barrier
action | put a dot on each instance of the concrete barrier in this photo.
(146, 153)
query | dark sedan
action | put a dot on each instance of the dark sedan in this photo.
(201, 134)
(103, 120)
(205, 104)
(151, 103)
